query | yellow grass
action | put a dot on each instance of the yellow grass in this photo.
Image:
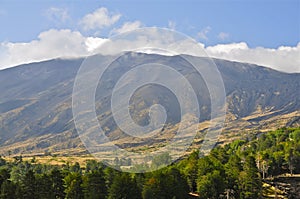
(56, 160)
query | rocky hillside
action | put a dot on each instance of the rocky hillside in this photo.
(36, 102)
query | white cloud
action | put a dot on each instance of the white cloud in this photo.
(67, 43)
(127, 26)
(93, 43)
(57, 15)
(223, 35)
(99, 19)
(227, 48)
(152, 40)
(50, 44)
(284, 58)
(203, 33)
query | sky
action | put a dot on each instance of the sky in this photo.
(264, 32)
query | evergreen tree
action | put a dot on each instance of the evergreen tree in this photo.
(177, 184)
(2, 161)
(92, 165)
(57, 183)
(250, 181)
(8, 190)
(166, 184)
(4, 175)
(153, 189)
(124, 187)
(191, 170)
(110, 174)
(75, 168)
(44, 187)
(211, 185)
(29, 186)
(232, 169)
(73, 183)
(94, 186)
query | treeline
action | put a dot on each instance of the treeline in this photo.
(237, 169)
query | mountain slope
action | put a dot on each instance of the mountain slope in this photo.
(36, 112)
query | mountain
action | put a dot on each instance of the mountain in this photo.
(36, 102)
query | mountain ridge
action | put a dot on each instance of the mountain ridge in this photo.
(36, 112)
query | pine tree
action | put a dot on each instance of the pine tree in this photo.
(4, 175)
(166, 184)
(94, 186)
(250, 181)
(232, 170)
(44, 187)
(124, 187)
(191, 172)
(8, 190)
(73, 183)
(211, 185)
(29, 185)
(57, 184)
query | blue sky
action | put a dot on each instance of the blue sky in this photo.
(259, 23)
(264, 32)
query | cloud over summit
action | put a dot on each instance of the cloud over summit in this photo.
(67, 43)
